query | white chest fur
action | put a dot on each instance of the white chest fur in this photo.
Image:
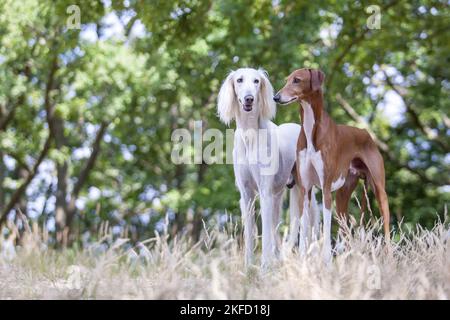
(310, 159)
(308, 124)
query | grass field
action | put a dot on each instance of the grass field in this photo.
(418, 268)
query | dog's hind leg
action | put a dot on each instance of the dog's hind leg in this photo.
(314, 217)
(344, 194)
(278, 199)
(304, 221)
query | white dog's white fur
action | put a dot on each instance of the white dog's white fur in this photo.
(251, 178)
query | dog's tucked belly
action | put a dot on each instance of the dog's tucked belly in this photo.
(276, 181)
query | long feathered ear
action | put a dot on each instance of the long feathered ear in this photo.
(268, 105)
(226, 100)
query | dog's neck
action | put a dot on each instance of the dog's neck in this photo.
(315, 100)
(321, 119)
(249, 120)
(248, 125)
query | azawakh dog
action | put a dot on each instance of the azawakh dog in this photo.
(331, 156)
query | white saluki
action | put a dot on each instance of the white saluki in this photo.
(263, 157)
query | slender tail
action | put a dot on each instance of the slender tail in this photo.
(365, 200)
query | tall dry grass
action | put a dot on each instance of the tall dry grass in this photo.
(418, 267)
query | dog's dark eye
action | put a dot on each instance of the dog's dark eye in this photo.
(256, 81)
(239, 80)
(296, 80)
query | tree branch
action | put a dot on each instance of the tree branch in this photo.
(91, 161)
(427, 131)
(383, 146)
(351, 44)
(8, 115)
(355, 116)
(49, 106)
(129, 26)
(84, 174)
(19, 191)
(19, 161)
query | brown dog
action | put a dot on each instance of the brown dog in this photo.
(330, 156)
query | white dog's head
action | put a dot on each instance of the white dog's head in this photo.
(246, 91)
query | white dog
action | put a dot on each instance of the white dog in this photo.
(263, 157)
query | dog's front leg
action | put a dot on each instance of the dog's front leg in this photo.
(295, 202)
(268, 241)
(326, 202)
(304, 221)
(247, 204)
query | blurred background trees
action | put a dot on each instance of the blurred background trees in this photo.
(86, 115)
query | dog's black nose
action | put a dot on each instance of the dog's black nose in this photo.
(276, 98)
(248, 99)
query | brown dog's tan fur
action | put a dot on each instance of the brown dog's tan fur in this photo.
(346, 151)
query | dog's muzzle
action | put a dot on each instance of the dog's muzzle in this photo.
(277, 99)
(248, 104)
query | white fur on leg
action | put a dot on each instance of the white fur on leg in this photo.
(248, 219)
(268, 247)
(294, 216)
(304, 226)
(326, 234)
(314, 217)
(276, 222)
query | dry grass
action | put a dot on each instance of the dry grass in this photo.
(418, 268)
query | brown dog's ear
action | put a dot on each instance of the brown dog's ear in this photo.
(317, 77)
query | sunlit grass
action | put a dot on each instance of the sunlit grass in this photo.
(418, 267)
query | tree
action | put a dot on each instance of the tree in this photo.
(86, 115)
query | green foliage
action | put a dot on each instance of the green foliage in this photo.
(143, 86)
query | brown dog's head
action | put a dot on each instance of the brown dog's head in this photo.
(300, 84)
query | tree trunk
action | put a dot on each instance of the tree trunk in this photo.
(61, 204)
(17, 194)
(22, 205)
(62, 170)
(180, 217)
(198, 214)
(66, 208)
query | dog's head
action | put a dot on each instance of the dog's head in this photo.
(246, 91)
(300, 84)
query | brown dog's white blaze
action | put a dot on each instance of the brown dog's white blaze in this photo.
(331, 156)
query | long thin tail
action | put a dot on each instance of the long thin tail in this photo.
(365, 204)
